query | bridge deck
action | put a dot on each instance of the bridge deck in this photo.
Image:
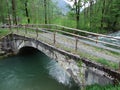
(67, 43)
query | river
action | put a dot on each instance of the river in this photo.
(33, 71)
(116, 35)
(108, 40)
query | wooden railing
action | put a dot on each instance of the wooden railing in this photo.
(76, 33)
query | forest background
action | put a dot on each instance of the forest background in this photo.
(100, 16)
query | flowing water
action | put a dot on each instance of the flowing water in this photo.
(33, 71)
(111, 40)
(116, 35)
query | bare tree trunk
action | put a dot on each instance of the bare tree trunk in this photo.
(14, 12)
(45, 7)
(77, 9)
(85, 16)
(26, 10)
(48, 8)
(115, 21)
(91, 12)
(103, 12)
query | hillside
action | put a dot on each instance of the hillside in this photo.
(62, 5)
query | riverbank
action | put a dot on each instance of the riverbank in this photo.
(2, 54)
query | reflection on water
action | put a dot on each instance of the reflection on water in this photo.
(33, 72)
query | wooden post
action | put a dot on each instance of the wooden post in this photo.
(17, 28)
(25, 29)
(119, 65)
(63, 29)
(9, 16)
(76, 43)
(10, 24)
(54, 40)
(96, 39)
(36, 33)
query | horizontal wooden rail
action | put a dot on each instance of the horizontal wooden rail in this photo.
(73, 29)
(74, 35)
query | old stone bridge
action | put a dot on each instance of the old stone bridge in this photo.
(65, 47)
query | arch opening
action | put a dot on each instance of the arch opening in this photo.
(27, 50)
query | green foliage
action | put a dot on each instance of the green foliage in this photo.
(101, 17)
(107, 87)
(103, 12)
(35, 8)
(3, 32)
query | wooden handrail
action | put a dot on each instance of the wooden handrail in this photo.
(58, 28)
(74, 35)
(90, 33)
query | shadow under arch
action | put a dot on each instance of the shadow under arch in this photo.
(28, 50)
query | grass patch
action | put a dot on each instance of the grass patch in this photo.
(3, 32)
(108, 63)
(108, 52)
(102, 61)
(107, 87)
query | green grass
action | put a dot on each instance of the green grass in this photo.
(102, 61)
(108, 63)
(3, 32)
(109, 52)
(107, 87)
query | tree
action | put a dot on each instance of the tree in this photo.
(103, 13)
(91, 11)
(3, 11)
(77, 6)
(14, 12)
(26, 10)
(77, 11)
(114, 15)
(45, 9)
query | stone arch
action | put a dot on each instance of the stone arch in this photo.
(19, 44)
